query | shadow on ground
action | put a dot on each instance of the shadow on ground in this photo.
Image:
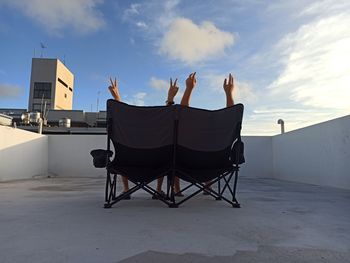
(263, 254)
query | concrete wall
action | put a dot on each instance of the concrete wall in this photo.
(69, 155)
(318, 154)
(23, 154)
(63, 94)
(258, 156)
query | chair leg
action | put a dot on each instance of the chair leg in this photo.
(219, 190)
(172, 191)
(108, 179)
(110, 190)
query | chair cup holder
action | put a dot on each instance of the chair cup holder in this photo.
(100, 157)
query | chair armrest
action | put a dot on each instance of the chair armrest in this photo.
(101, 157)
(237, 153)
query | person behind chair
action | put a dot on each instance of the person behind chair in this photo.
(228, 87)
(173, 89)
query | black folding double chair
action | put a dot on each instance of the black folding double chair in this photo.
(209, 151)
(196, 145)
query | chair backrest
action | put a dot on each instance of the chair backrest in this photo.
(142, 136)
(145, 136)
(205, 137)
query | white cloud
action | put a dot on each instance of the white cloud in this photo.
(316, 69)
(312, 63)
(243, 92)
(191, 43)
(137, 99)
(131, 11)
(9, 91)
(156, 15)
(158, 84)
(320, 8)
(141, 24)
(55, 16)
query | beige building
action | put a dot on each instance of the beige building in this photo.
(50, 82)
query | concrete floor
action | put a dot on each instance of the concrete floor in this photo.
(62, 220)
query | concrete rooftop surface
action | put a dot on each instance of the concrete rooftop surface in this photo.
(63, 220)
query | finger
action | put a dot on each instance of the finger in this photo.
(194, 74)
(115, 82)
(190, 76)
(171, 81)
(175, 82)
(110, 79)
(225, 82)
(114, 94)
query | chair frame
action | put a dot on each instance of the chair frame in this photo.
(112, 198)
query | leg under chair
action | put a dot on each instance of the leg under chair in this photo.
(111, 182)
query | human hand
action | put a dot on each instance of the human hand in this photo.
(229, 85)
(113, 88)
(191, 81)
(173, 89)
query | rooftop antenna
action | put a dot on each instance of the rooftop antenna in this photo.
(42, 49)
(46, 110)
(98, 100)
(42, 102)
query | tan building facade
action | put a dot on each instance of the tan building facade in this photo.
(50, 82)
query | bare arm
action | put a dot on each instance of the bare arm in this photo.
(190, 84)
(113, 88)
(229, 87)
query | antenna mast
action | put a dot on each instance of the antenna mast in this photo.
(42, 49)
(98, 100)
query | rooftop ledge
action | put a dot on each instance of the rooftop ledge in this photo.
(318, 154)
(294, 191)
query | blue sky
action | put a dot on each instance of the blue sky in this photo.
(290, 59)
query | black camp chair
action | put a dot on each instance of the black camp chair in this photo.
(209, 148)
(143, 141)
(193, 144)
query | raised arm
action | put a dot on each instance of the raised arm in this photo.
(229, 87)
(190, 84)
(113, 88)
(173, 89)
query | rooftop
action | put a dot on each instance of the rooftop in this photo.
(294, 191)
(62, 220)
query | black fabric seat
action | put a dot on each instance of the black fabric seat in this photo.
(208, 150)
(143, 141)
(140, 174)
(194, 144)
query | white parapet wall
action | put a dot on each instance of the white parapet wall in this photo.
(69, 155)
(318, 154)
(23, 154)
(258, 156)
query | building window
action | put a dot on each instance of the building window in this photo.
(65, 95)
(42, 90)
(62, 82)
(70, 89)
(39, 107)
